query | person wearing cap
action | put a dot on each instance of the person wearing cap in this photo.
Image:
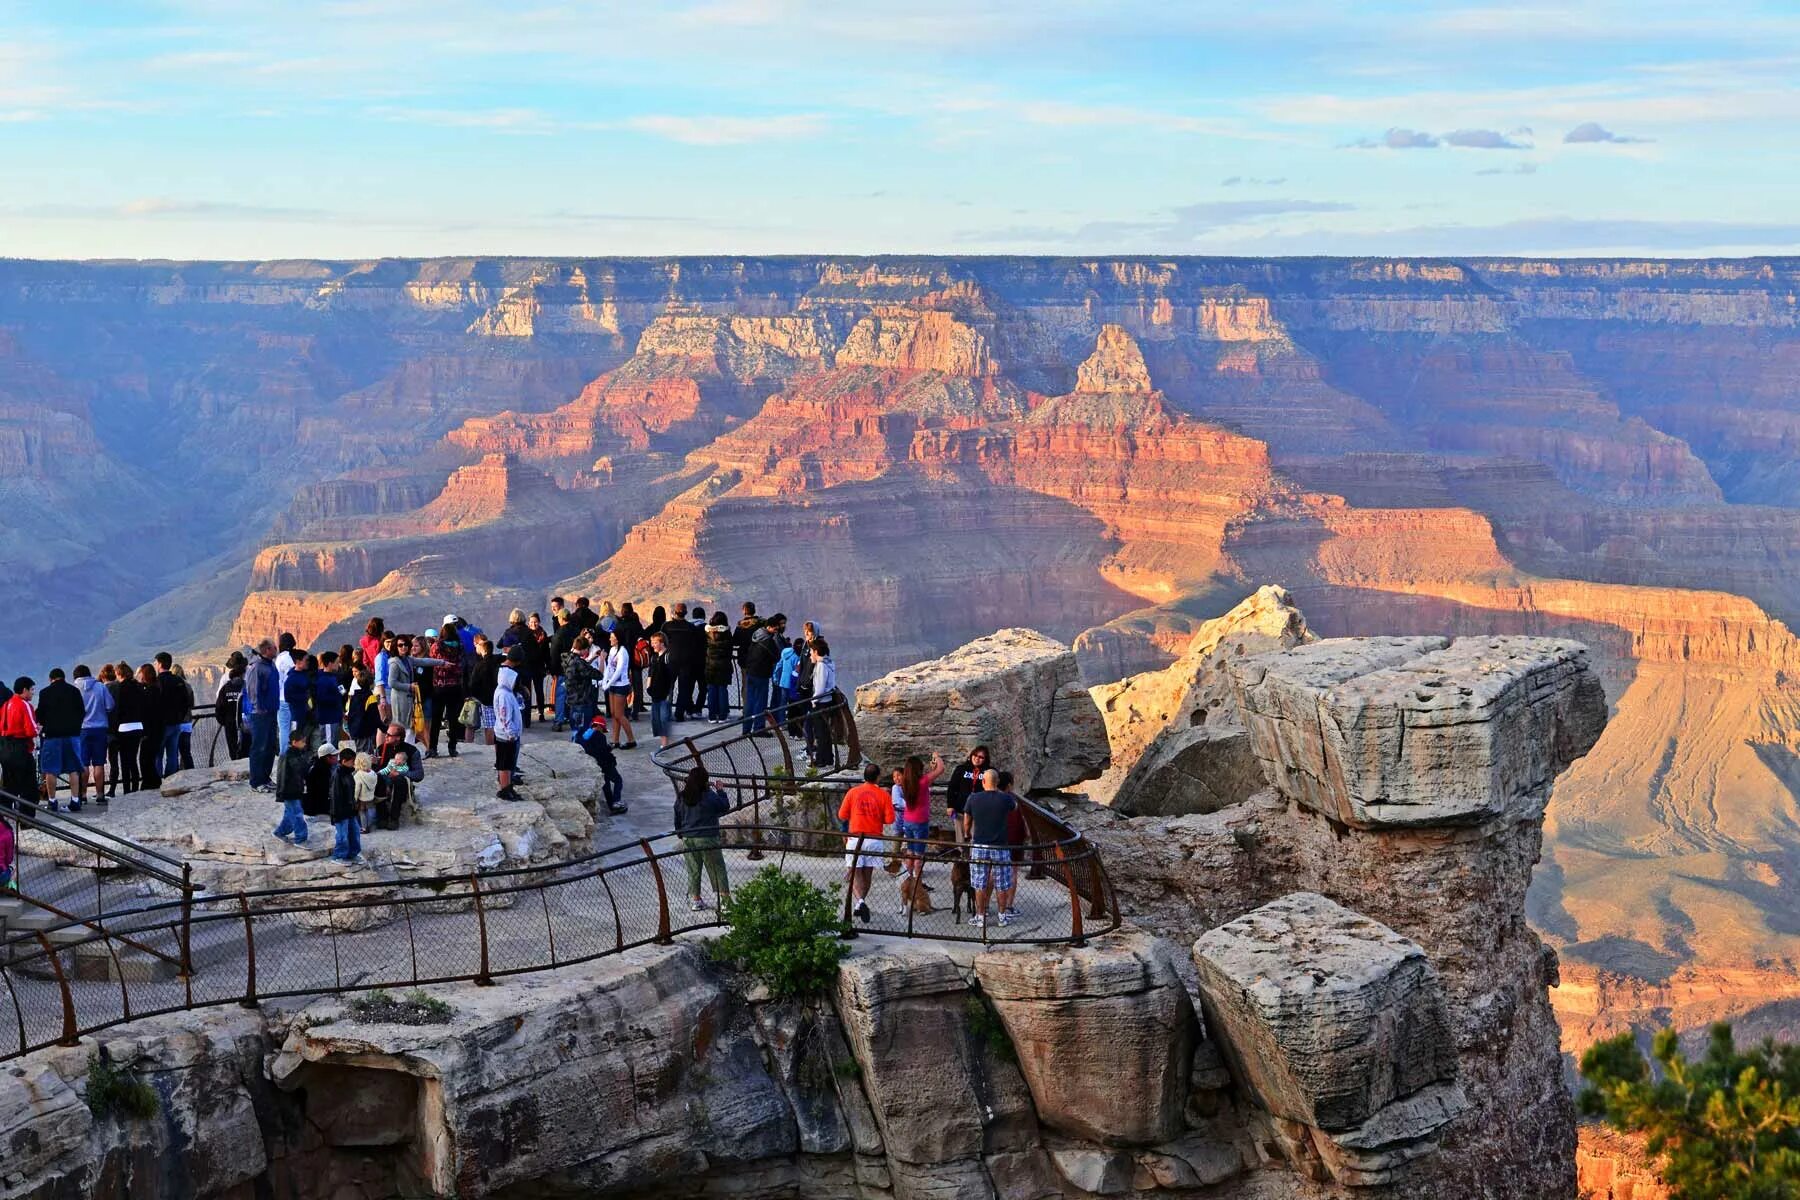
(592, 739)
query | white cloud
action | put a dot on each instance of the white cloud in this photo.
(727, 130)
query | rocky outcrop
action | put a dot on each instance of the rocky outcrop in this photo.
(1177, 739)
(1017, 692)
(1116, 365)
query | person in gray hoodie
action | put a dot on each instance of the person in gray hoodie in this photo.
(509, 720)
(96, 720)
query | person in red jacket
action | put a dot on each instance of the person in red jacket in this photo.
(18, 745)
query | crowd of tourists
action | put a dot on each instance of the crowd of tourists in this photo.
(344, 732)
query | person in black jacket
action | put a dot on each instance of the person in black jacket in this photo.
(482, 678)
(746, 629)
(561, 643)
(348, 847)
(228, 706)
(687, 655)
(964, 778)
(150, 750)
(631, 632)
(59, 713)
(660, 676)
(718, 669)
(175, 704)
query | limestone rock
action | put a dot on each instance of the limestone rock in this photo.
(1016, 691)
(1395, 732)
(1105, 1034)
(1116, 365)
(1173, 732)
(1326, 1016)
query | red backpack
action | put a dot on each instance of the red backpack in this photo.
(640, 654)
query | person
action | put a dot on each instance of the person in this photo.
(554, 709)
(96, 726)
(482, 672)
(631, 635)
(990, 852)
(60, 713)
(300, 692)
(687, 655)
(746, 628)
(820, 721)
(228, 705)
(348, 846)
(155, 713)
(18, 742)
(592, 738)
(759, 660)
(447, 686)
(659, 617)
(585, 618)
(660, 681)
(399, 770)
(371, 639)
(562, 644)
(365, 790)
(328, 698)
(697, 811)
(383, 658)
(718, 668)
(508, 724)
(579, 683)
(290, 787)
(403, 668)
(964, 779)
(175, 702)
(912, 807)
(362, 712)
(787, 678)
(468, 631)
(284, 663)
(125, 729)
(8, 857)
(537, 667)
(1018, 833)
(867, 809)
(516, 632)
(262, 698)
(608, 620)
(616, 679)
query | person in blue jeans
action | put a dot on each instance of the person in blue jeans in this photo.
(261, 699)
(290, 788)
(344, 818)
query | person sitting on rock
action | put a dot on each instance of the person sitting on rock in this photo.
(398, 772)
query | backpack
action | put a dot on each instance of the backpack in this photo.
(640, 654)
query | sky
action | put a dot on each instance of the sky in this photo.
(241, 129)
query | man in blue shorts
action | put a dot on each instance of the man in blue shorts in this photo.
(990, 850)
(96, 721)
(60, 713)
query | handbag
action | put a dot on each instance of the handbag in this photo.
(418, 712)
(470, 715)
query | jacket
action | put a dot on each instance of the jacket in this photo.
(449, 673)
(343, 793)
(328, 698)
(740, 637)
(509, 718)
(824, 679)
(17, 720)
(403, 672)
(262, 688)
(175, 699)
(718, 655)
(517, 634)
(388, 751)
(631, 631)
(300, 692)
(659, 676)
(761, 655)
(60, 710)
(701, 820)
(579, 679)
(128, 704)
(290, 773)
(787, 670)
(484, 677)
(96, 703)
(687, 647)
(230, 700)
(618, 668)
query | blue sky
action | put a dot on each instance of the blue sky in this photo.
(236, 129)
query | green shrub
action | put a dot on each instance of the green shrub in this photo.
(784, 931)
(113, 1091)
(415, 1008)
(1723, 1127)
(989, 1030)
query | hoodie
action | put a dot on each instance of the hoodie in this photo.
(509, 719)
(96, 703)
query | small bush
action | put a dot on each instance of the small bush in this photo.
(784, 931)
(989, 1030)
(113, 1091)
(415, 1008)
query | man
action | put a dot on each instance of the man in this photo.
(746, 629)
(284, 662)
(299, 693)
(262, 706)
(290, 787)
(686, 652)
(585, 618)
(965, 778)
(559, 615)
(59, 714)
(759, 661)
(867, 808)
(819, 724)
(328, 698)
(508, 723)
(398, 772)
(990, 853)
(96, 722)
(18, 740)
(659, 681)
(562, 642)
(176, 702)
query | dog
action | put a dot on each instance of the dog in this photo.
(916, 894)
(959, 889)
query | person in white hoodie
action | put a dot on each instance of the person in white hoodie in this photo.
(615, 679)
(509, 724)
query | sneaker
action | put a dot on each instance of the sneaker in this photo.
(74, 806)
(1006, 918)
(284, 836)
(697, 906)
(262, 787)
(431, 754)
(978, 920)
(862, 911)
(617, 809)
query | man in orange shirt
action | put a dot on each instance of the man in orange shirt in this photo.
(868, 808)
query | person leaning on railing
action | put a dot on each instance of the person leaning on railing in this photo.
(697, 812)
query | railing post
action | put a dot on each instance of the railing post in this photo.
(849, 930)
(1075, 930)
(482, 978)
(18, 1012)
(1097, 881)
(663, 933)
(69, 1036)
(187, 927)
(249, 1000)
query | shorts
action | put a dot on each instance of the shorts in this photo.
(506, 755)
(59, 756)
(874, 852)
(990, 868)
(915, 833)
(93, 747)
(623, 689)
(487, 716)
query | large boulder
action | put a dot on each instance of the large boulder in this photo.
(1404, 732)
(1105, 1035)
(1016, 691)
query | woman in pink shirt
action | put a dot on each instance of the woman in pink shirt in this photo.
(912, 807)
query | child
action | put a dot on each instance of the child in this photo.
(365, 789)
(7, 882)
(290, 787)
(348, 847)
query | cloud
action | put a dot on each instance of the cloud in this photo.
(1482, 139)
(1398, 139)
(166, 208)
(1252, 181)
(1524, 168)
(1177, 226)
(1559, 235)
(1592, 131)
(728, 131)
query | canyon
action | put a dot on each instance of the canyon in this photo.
(917, 452)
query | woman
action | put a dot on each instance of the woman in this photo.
(659, 616)
(912, 807)
(346, 665)
(374, 636)
(578, 681)
(149, 750)
(228, 704)
(480, 680)
(127, 728)
(383, 657)
(660, 679)
(719, 669)
(401, 678)
(537, 650)
(447, 686)
(184, 753)
(697, 812)
(631, 632)
(362, 715)
(616, 679)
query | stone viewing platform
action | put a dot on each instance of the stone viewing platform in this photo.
(1324, 987)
